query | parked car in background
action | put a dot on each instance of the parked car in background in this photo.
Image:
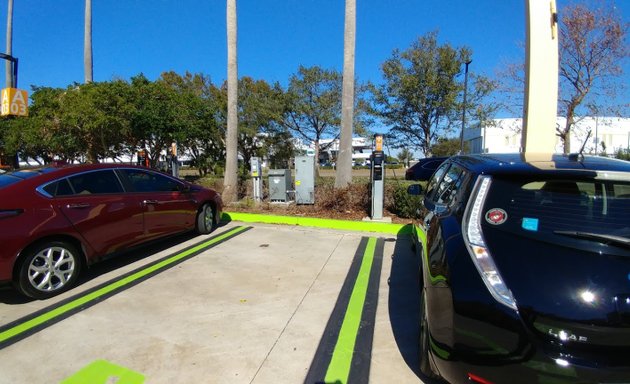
(56, 221)
(424, 168)
(525, 270)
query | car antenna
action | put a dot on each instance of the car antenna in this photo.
(580, 155)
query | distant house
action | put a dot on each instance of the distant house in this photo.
(361, 150)
(608, 135)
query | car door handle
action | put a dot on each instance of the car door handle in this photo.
(149, 202)
(78, 206)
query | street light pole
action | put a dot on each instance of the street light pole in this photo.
(461, 134)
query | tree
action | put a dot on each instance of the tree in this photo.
(198, 112)
(87, 43)
(98, 116)
(314, 105)
(230, 181)
(405, 156)
(260, 112)
(343, 173)
(447, 147)
(592, 46)
(420, 95)
(155, 118)
(44, 134)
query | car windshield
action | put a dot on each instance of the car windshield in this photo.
(569, 207)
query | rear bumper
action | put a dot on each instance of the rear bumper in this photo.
(538, 368)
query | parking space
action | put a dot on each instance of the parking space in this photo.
(250, 303)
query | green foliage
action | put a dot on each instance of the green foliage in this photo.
(447, 147)
(623, 154)
(420, 96)
(314, 104)
(398, 201)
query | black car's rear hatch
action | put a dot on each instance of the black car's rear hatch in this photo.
(562, 248)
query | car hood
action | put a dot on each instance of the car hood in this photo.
(567, 289)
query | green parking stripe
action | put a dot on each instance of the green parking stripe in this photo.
(26, 326)
(339, 368)
(343, 354)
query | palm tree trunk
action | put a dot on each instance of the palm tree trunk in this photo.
(231, 142)
(9, 64)
(87, 43)
(343, 174)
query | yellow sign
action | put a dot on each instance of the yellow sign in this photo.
(14, 102)
(379, 142)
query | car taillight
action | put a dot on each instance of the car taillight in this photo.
(477, 248)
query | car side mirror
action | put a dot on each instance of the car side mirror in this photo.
(414, 190)
(184, 188)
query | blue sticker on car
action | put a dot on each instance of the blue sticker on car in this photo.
(530, 224)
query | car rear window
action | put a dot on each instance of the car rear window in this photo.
(547, 206)
(9, 178)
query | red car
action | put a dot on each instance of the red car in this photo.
(56, 221)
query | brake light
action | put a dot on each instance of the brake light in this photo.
(477, 248)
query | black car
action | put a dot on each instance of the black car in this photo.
(525, 270)
(424, 168)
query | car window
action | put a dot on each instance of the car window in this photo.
(58, 188)
(145, 181)
(435, 179)
(545, 206)
(449, 186)
(96, 182)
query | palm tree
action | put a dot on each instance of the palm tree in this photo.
(230, 179)
(343, 175)
(87, 43)
(9, 64)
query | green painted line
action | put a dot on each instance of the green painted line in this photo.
(102, 371)
(362, 226)
(60, 311)
(339, 368)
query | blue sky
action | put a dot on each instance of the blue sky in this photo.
(275, 36)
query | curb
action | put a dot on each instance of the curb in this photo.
(361, 226)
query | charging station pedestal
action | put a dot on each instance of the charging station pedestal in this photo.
(256, 172)
(377, 178)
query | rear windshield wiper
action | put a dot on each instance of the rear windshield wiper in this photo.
(606, 239)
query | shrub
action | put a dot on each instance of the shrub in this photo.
(353, 198)
(399, 202)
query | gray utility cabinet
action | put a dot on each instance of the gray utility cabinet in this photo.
(305, 180)
(279, 185)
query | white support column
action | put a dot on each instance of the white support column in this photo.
(541, 77)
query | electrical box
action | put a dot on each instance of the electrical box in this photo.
(305, 180)
(279, 184)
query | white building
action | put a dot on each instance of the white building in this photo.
(608, 134)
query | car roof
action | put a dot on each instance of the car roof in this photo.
(51, 172)
(520, 163)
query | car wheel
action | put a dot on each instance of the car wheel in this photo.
(205, 219)
(48, 269)
(425, 363)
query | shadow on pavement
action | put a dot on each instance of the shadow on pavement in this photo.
(9, 296)
(404, 303)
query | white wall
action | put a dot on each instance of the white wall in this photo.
(505, 136)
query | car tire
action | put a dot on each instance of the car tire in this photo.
(205, 219)
(423, 340)
(48, 269)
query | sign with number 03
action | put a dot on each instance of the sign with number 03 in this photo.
(14, 102)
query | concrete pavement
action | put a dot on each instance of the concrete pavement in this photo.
(251, 309)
